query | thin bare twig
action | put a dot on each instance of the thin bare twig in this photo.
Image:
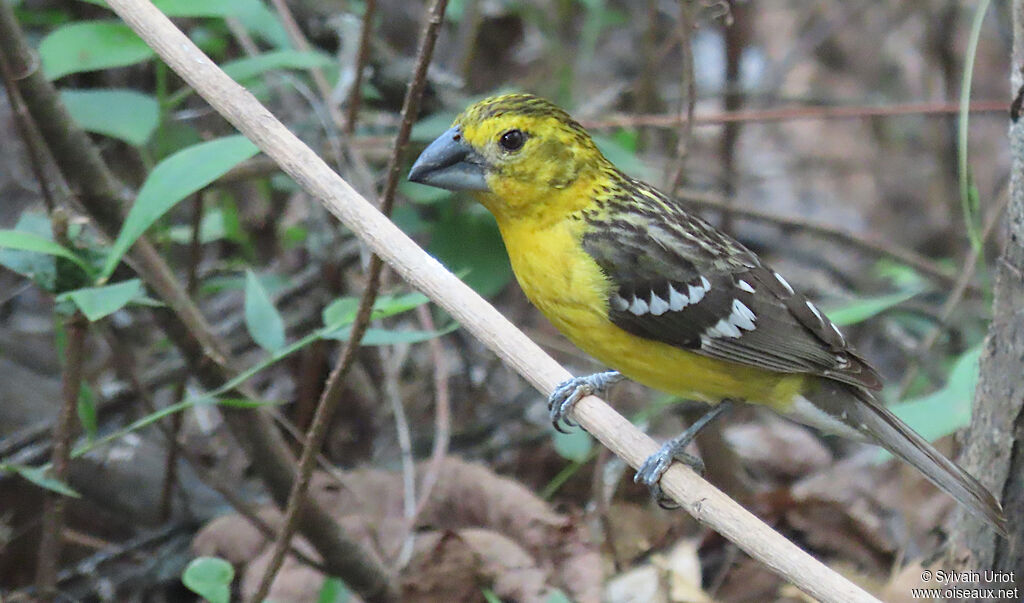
(735, 43)
(53, 503)
(696, 496)
(442, 413)
(335, 383)
(876, 248)
(392, 364)
(23, 122)
(355, 95)
(689, 84)
(297, 38)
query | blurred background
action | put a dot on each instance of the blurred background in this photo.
(859, 147)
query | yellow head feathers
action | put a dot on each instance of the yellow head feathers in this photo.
(514, 151)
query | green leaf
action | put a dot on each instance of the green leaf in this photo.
(189, 8)
(490, 596)
(388, 337)
(342, 311)
(39, 477)
(261, 317)
(91, 46)
(123, 114)
(27, 241)
(944, 411)
(333, 591)
(173, 179)
(249, 67)
(210, 578)
(469, 242)
(197, 8)
(573, 446)
(99, 302)
(87, 411)
(862, 309)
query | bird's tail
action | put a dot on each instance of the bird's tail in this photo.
(882, 427)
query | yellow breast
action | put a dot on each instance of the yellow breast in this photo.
(570, 289)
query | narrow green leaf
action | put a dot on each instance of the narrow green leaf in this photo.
(963, 166)
(123, 114)
(342, 311)
(39, 477)
(99, 302)
(249, 67)
(261, 317)
(388, 337)
(173, 179)
(91, 46)
(862, 309)
(210, 578)
(26, 241)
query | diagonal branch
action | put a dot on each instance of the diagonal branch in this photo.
(699, 498)
(102, 195)
(331, 396)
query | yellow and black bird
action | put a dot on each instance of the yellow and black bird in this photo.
(660, 295)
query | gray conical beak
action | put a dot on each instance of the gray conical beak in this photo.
(451, 164)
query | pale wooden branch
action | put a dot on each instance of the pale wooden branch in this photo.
(699, 498)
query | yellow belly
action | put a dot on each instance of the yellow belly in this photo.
(571, 291)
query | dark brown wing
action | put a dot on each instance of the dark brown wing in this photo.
(680, 281)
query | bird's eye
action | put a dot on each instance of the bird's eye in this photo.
(513, 140)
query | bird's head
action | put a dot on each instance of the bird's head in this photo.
(515, 152)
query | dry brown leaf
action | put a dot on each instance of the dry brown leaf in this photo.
(777, 446)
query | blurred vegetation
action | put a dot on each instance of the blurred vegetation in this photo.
(279, 278)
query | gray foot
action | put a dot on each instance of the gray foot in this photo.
(569, 392)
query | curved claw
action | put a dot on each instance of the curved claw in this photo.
(657, 464)
(569, 392)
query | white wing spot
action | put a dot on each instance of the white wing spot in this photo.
(704, 283)
(676, 300)
(742, 316)
(696, 293)
(618, 303)
(814, 309)
(724, 328)
(638, 307)
(742, 284)
(835, 329)
(784, 283)
(658, 305)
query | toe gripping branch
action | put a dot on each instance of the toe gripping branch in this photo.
(657, 464)
(569, 392)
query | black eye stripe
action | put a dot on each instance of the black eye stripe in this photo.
(512, 140)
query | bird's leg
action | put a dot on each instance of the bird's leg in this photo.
(675, 450)
(569, 392)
